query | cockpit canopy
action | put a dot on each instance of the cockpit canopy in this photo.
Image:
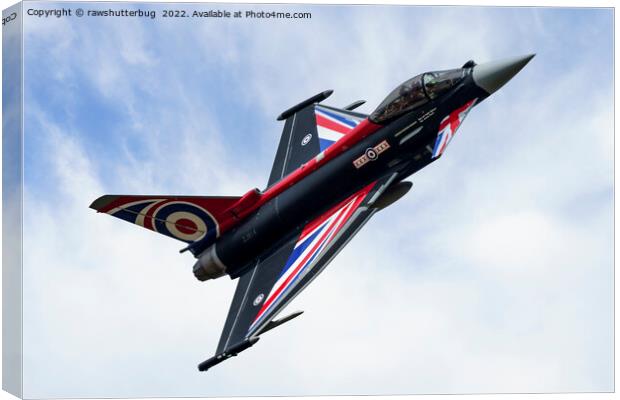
(416, 92)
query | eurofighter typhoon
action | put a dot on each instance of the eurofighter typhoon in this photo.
(334, 169)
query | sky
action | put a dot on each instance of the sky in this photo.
(494, 274)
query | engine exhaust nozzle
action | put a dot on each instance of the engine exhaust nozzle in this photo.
(209, 266)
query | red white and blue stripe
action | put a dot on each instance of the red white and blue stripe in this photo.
(332, 125)
(315, 237)
(448, 127)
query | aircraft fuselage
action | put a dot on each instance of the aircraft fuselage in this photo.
(400, 147)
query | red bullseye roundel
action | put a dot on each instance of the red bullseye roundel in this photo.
(181, 220)
(184, 221)
(185, 226)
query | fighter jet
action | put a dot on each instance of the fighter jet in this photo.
(333, 170)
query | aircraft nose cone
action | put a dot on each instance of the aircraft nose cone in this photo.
(493, 75)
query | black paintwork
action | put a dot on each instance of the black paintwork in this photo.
(259, 276)
(291, 154)
(258, 280)
(256, 250)
(282, 217)
(252, 282)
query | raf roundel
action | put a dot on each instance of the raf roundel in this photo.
(371, 154)
(258, 299)
(181, 219)
(306, 139)
(184, 221)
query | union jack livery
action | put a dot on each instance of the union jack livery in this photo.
(448, 127)
(332, 125)
(314, 238)
(333, 170)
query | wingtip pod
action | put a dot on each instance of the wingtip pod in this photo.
(232, 351)
(317, 98)
(235, 349)
(354, 105)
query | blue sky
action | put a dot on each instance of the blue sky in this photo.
(493, 275)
